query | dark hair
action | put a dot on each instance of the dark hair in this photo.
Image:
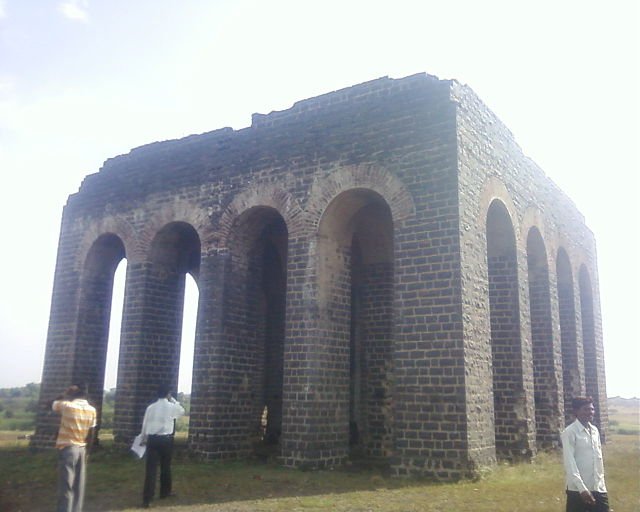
(78, 390)
(163, 390)
(578, 401)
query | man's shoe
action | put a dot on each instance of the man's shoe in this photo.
(170, 495)
(145, 504)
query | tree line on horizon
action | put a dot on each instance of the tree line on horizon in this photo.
(19, 405)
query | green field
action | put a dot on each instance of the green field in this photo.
(27, 482)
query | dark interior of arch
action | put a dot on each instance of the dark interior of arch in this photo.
(506, 348)
(362, 221)
(254, 327)
(94, 314)
(175, 251)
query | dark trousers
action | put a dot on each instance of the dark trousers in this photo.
(575, 503)
(159, 449)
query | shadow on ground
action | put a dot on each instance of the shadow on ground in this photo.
(115, 477)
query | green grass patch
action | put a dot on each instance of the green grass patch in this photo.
(115, 477)
(115, 483)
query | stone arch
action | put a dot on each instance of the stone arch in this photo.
(152, 318)
(116, 225)
(177, 210)
(260, 195)
(510, 404)
(354, 282)
(547, 385)
(363, 176)
(176, 247)
(174, 251)
(94, 312)
(252, 364)
(572, 375)
(494, 189)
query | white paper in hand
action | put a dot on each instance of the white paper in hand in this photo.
(137, 447)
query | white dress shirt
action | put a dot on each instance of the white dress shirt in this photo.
(583, 458)
(159, 417)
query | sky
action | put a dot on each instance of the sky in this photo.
(85, 80)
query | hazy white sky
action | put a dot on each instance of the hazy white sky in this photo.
(82, 81)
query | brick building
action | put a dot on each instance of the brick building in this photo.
(381, 267)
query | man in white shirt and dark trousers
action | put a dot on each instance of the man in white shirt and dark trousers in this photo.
(582, 453)
(158, 427)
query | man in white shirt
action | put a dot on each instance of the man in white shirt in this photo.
(158, 427)
(582, 453)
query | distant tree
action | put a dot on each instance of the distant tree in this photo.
(32, 390)
(109, 397)
(185, 401)
(8, 414)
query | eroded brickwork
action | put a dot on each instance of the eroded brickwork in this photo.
(353, 283)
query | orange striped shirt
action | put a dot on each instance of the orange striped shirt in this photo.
(78, 417)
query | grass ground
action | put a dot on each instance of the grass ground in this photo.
(27, 483)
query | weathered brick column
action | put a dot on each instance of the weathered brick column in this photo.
(547, 359)
(572, 352)
(57, 373)
(595, 382)
(219, 427)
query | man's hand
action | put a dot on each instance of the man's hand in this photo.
(588, 498)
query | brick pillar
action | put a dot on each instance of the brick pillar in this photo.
(546, 357)
(57, 373)
(572, 360)
(209, 398)
(595, 384)
(226, 361)
(429, 401)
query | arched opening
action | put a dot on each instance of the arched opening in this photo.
(355, 283)
(254, 330)
(174, 254)
(571, 375)
(506, 348)
(115, 325)
(187, 343)
(113, 348)
(545, 380)
(589, 340)
(94, 315)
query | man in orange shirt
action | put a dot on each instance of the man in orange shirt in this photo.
(77, 425)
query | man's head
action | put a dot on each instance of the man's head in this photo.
(76, 391)
(163, 390)
(583, 409)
